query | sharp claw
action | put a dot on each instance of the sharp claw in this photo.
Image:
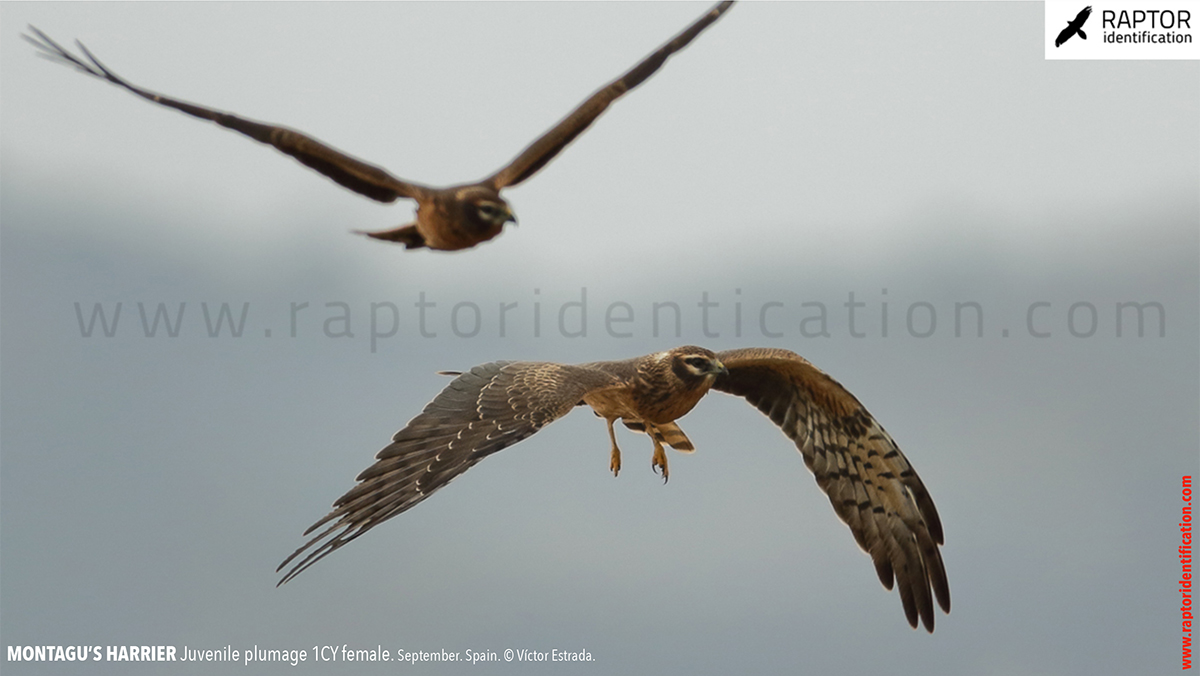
(659, 460)
(615, 462)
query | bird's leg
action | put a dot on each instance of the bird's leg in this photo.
(615, 463)
(659, 459)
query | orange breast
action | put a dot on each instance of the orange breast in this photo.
(661, 408)
(612, 403)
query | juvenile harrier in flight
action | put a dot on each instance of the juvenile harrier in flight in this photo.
(447, 219)
(870, 483)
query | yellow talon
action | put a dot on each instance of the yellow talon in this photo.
(614, 462)
(659, 459)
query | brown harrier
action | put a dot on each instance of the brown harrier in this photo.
(493, 406)
(458, 217)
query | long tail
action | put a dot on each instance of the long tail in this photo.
(408, 235)
(669, 434)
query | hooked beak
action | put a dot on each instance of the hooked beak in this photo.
(721, 370)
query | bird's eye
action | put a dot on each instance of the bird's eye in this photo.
(488, 210)
(696, 361)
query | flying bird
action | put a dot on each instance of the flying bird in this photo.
(447, 219)
(1074, 27)
(870, 483)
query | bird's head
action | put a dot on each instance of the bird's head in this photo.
(696, 365)
(486, 209)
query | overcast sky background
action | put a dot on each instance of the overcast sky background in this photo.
(916, 155)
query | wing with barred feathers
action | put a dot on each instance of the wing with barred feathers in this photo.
(487, 409)
(872, 486)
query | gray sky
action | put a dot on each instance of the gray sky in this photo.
(922, 157)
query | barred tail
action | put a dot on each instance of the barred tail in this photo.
(668, 434)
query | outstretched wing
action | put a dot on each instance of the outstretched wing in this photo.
(363, 178)
(869, 481)
(552, 142)
(1082, 17)
(489, 408)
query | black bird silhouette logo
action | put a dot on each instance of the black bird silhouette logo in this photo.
(1074, 27)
